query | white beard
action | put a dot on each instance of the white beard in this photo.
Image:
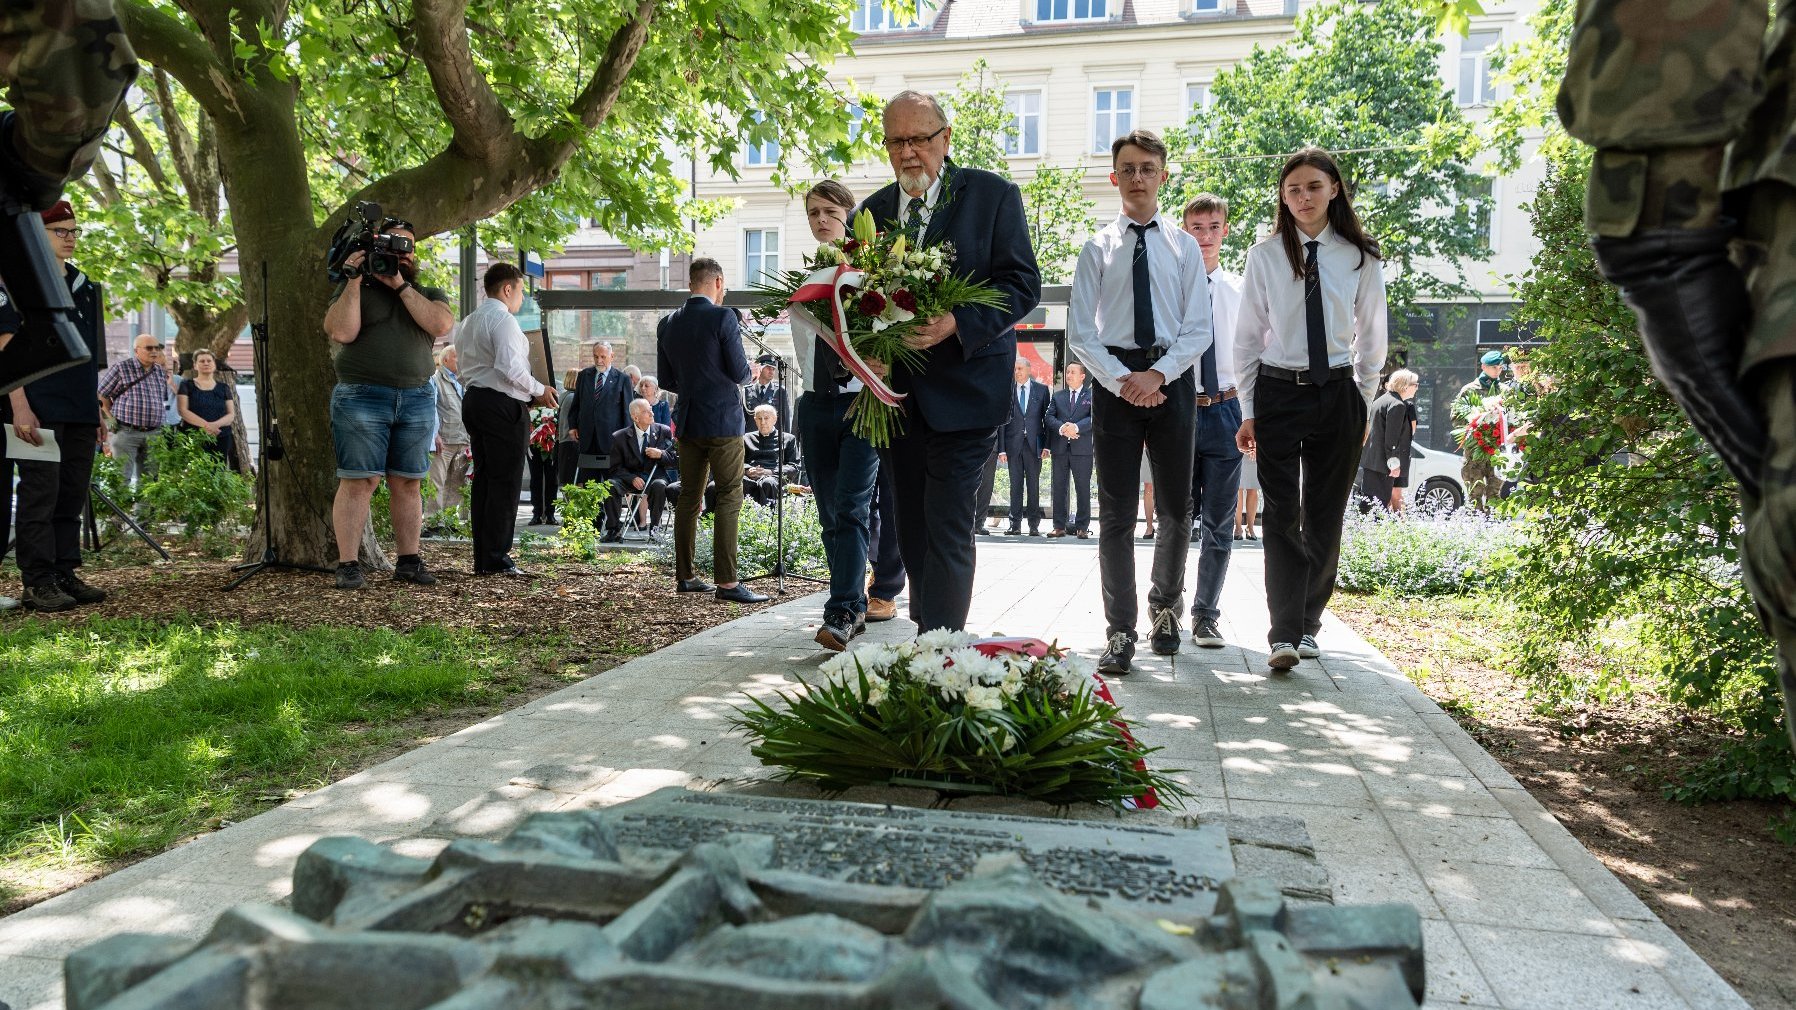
(914, 182)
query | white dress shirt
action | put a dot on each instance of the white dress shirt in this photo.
(1225, 308)
(931, 197)
(493, 354)
(1273, 326)
(1101, 319)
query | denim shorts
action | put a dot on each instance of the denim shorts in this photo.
(383, 430)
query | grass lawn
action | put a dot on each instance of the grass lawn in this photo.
(120, 737)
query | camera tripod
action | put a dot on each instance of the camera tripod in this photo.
(90, 526)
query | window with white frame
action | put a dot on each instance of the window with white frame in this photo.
(1022, 134)
(763, 154)
(1112, 115)
(761, 255)
(875, 16)
(1071, 10)
(1211, 6)
(1197, 98)
(1481, 203)
(1475, 87)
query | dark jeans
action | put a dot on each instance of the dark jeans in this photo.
(1025, 477)
(47, 515)
(703, 460)
(843, 469)
(936, 476)
(1119, 429)
(542, 486)
(499, 435)
(1309, 439)
(882, 530)
(1215, 481)
(1071, 473)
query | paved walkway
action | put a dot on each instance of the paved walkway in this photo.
(1402, 804)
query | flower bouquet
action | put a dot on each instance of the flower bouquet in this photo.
(542, 432)
(1486, 428)
(1012, 717)
(863, 295)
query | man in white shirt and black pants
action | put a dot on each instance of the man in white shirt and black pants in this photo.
(495, 371)
(1216, 469)
(1139, 319)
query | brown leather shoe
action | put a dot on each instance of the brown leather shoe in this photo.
(1054, 533)
(881, 610)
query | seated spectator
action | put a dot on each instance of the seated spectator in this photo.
(770, 460)
(644, 462)
(206, 404)
(650, 388)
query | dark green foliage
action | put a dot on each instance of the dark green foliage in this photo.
(193, 486)
(581, 511)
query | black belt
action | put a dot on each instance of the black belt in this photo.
(1302, 377)
(139, 427)
(1137, 358)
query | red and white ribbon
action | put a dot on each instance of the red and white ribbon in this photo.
(826, 285)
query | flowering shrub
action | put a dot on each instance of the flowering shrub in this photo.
(948, 713)
(1419, 553)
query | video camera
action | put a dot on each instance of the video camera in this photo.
(365, 231)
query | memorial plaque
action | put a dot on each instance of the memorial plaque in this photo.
(1165, 872)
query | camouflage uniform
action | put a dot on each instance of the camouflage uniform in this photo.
(67, 65)
(1692, 108)
(1477, 469)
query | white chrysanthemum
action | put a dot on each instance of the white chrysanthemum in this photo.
(838, 668)
(988, 699)
(1011, 684)
(942, 640)
(1075, 673)
(876, 693)
(976, 666)
(877, 660)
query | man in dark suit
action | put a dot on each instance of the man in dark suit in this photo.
(601, 407)
(1384, 462)
(1024, 448)
(1069, 440)
(957, 395)
(698, 353)
(644, 461)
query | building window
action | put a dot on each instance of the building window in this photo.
(763, 154)
(1481, 203)
(857, 121)
(1112, 115)
(1209, 6)
(1022, 135)
(1475, 87)
(1197, 99)
(873, 16)
(1291, 7)
(1071, 10)
(761, 255)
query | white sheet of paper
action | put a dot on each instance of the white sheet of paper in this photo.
(18, 448)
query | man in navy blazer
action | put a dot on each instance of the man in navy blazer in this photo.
(957, 397)
(600, 407)
(1024, 448)
(1069, 439)
(699, 356)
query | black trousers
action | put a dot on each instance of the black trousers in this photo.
(1309, 439)
(542, 486)
(499, 436)
(1119, 430)
(988, 479)
(936, 476)
(567, 460)
(657, 490)
(1025, 488)
(47, 513)
(1375, 489)
(1071, 473)
(882, 539)
(6, 472)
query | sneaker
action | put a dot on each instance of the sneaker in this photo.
(1307, 648)
(836, 632)
(860, 625)
(48, 598)
(81, 591)
(1206, 634)
(1164, 638)
(349, 575)
(1118, 654)
(413, 572)
(1284, 656)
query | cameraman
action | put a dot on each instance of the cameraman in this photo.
(383, 409)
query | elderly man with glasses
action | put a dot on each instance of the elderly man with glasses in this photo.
(134, 393)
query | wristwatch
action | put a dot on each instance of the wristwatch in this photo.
(403, 288)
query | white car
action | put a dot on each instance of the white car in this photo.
(1434, 481)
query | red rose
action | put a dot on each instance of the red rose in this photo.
(905, 300)
(872, 303)
(851, 245)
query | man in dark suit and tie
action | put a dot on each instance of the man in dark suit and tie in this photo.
(1069, 440)
(1024, 448)
(699, 356)
(956, 397)
(643, 461)
(600, 408)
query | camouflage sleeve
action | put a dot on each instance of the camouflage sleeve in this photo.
(67, 65)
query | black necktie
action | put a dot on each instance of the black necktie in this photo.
(1312, 312)
(1144, 294)
(1207, 367)
(914, 223)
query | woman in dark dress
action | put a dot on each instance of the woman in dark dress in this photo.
(207, 404)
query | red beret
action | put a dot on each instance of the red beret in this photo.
(61, 212)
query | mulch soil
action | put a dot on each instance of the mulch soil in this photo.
(1713, 873)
